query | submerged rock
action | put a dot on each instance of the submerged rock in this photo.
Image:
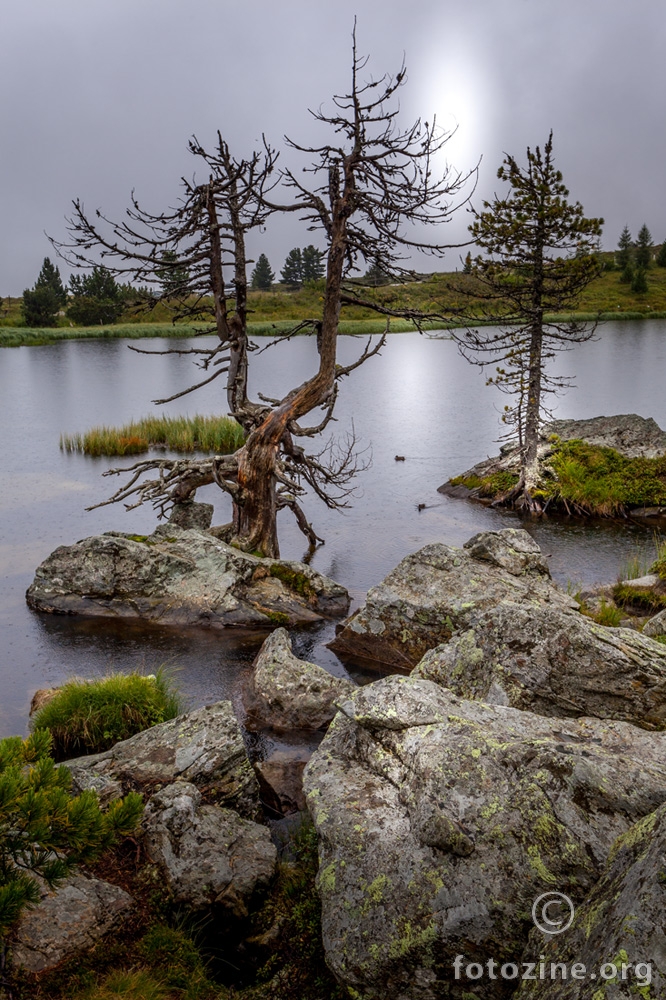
(439, 590)
(209, 855)
(555, 663)
(287, 693)
(66, 922)
(179, 576)
(204, 747)
(441, 820)
(281, 781)
(618, 931)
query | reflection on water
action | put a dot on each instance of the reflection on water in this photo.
(419, 399)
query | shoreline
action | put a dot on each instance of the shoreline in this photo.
(29, 337)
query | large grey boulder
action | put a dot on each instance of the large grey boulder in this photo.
(627, 433)
(287, 693)
(656, 626)
(556, 663)
(619, 928)
(204, 747)
(441, 820)
(66, 922)
(209, 855)
(439, 590)
(179, 576)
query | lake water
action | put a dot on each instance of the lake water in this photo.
(419, 399)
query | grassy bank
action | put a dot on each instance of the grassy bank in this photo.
(212, 435)
(277, 310)
(580, 478)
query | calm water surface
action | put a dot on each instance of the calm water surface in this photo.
(419, 399)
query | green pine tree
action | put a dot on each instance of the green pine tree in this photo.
(643, 252)
(42, 303)
(625, 256)
(375, 276)
(292, 272)
(96, 298)
(313, 265)
(467, 266)
(661, 255)
(172, 275)
(262, 277)
(639, 283)
(44, 830)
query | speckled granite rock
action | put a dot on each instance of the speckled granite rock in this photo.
(204, 747)
(621, 923)
(441, 820)
(67, 921)
(556, 663)
(209, 855)
(287, 693)
(180, 576)
(439, 589)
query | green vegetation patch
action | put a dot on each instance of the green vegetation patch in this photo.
(489, 486)
(602, 482)
(296, 581)
(635, 597)
(85, 718)
(216, 435)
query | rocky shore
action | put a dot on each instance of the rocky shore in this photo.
(519, 750)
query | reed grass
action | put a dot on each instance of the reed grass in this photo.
(213, 435)
(89, 717)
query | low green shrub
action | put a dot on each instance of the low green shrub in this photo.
(85, 718)
(44, 830)
(602, 482)
(646, 601)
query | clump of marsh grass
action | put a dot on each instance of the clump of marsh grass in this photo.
(89, 717)
(216, 435)
(645, 560)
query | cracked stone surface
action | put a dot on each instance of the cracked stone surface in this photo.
(439, 590)
(441, 820)
(555, 663)
(204, 747)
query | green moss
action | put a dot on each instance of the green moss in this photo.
(277, 618)
(633, 838)
(490, 486)
(295, 580)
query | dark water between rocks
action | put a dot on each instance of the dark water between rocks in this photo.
(420, 399)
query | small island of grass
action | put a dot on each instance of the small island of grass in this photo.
(210, 435)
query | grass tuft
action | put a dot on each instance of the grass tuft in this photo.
(217, 435)
(85, 718)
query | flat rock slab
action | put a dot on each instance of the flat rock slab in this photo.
(204, 747)
(439, 590)
(441, 820)
(209, 855)
(620, 923)
(67, 922)
(554, 663)
(286, 693)
(180, 576)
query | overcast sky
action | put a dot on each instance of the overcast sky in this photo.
(100, 96)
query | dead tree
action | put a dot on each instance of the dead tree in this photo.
(369, 183)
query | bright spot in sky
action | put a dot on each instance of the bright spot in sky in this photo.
(452, 84)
